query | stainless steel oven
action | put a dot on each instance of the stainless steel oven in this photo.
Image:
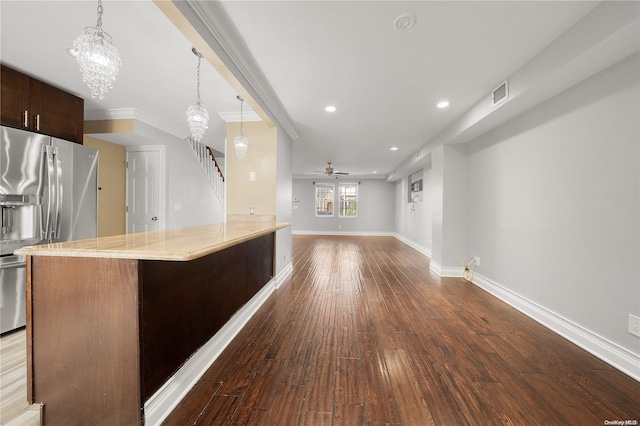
(13, 278)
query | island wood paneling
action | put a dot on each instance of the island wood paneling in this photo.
(186, 303)
(84, 332)
(106, 334)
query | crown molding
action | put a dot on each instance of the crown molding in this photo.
(228, 45)
(110, 114)
(234, 117)
(133, 114)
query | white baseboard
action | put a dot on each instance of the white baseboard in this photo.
(422, 249)
(611, 353)
(446, 271)
(284, 274)
(442, 271)
(451, 271)
(608, 351)
(435, 267)
(160, 405)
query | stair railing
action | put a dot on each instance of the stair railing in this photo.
(210, 166)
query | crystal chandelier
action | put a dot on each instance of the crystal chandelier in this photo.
(197, 114)
(98, 58)
(241, 142)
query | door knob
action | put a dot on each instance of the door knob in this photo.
(154, 218)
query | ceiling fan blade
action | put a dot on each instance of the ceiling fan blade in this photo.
(330, 171)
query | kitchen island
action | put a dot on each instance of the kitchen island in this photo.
(119, 327)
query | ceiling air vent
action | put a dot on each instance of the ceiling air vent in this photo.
(500, 93)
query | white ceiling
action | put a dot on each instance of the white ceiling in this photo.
(158, 73)
(385, 82)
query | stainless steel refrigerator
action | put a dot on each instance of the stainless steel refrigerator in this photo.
(48, 194)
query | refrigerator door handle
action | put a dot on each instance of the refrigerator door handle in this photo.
(55, 232)
(45, 220)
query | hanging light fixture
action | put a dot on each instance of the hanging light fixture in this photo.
(197, 114)
(98, 58)
(241, 142)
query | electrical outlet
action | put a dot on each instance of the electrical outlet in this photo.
(634, 325)
(476, 260)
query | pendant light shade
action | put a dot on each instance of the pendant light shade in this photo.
(240, 142)
(198, 119)
(197, 114)
(98, 58)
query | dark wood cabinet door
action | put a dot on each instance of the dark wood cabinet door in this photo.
(55, 112)
(14, 98)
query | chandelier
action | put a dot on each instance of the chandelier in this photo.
(197, 114)
(98, 58)
(241, 142)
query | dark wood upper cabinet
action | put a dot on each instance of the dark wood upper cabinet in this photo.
(30, 104)
(56, 112)
(15, 98)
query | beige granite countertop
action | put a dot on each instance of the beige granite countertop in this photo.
(175, 244)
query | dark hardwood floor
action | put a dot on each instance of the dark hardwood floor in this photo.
(363, 333)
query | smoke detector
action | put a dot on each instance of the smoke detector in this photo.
(405, 21)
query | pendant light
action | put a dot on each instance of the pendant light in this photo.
(240, 142)
(197, 114)
(98, 58)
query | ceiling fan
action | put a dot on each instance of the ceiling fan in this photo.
(329, 171)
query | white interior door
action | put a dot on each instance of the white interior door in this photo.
(144, 189)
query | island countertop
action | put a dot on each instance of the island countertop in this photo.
(181, 244)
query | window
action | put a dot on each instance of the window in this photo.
(324, 199)
(348, 199)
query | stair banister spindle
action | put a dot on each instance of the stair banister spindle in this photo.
(210, 167)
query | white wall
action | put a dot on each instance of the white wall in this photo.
(185, 181)
(554, 206)
(375, 215)
(413, 221)
(284, 190)
(448, 197)
(454, 212)
(187, 185)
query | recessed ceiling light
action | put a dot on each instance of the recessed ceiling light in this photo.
(394, 148)
(442, 104)
(331, 108)
(374, 172)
